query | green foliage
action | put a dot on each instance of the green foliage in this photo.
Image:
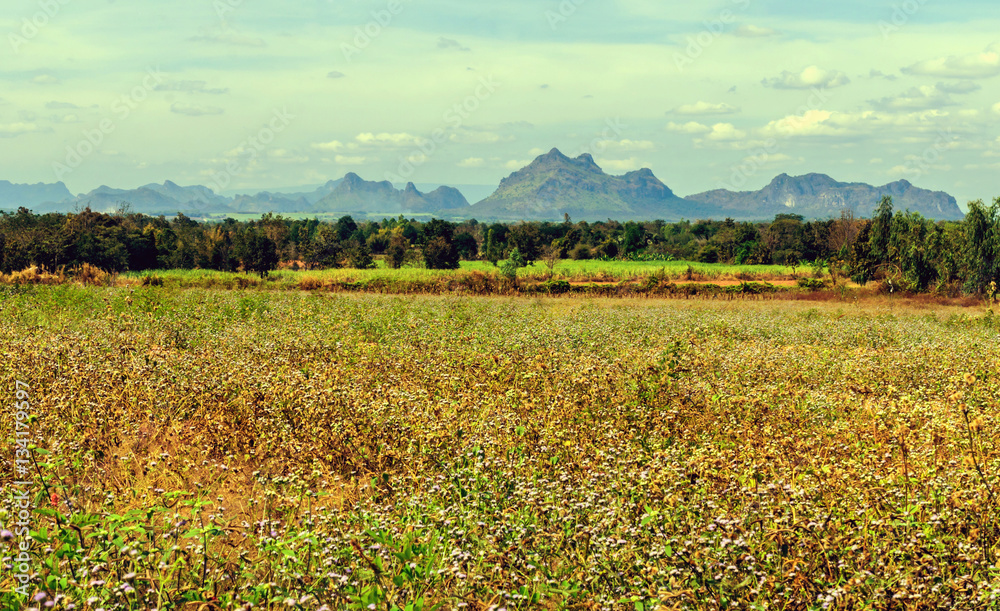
(256, 251)
(982, 246)
(359, 255)
(508, 269)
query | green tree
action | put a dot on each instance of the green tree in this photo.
(359, 255)
(881, 232)
(514, 262)
(982, 246)
(257, 252)
(395, 252)
(492, 250)
(440, 254)
(439, 249)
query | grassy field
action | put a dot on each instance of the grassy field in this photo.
(574, 271)
(212, 449)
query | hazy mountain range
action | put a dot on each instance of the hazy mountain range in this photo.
(549, 187)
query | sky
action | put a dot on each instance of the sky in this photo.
(246, 95)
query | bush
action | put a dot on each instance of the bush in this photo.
(811, 284)
(557, 287)
(439, 253)
(580, 252)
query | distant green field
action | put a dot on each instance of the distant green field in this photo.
(327, 217)
(576, 271)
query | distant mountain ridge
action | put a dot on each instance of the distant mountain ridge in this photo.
(354, 194)
(13, 196)
(819, 196)
(553, 185)
(546, 189)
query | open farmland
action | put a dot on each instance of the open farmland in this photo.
(212, 449)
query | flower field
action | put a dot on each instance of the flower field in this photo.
(201, 449)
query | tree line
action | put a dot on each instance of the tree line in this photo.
(898, 247)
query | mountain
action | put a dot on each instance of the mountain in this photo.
(14, 196)
(168, 198)
(549, 187)
(354, 194)
(266, 201)
(819, 196)
(553, 185)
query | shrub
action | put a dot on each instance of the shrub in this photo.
(580, 252)
(811, 284)
(439, 253)
(557, 287)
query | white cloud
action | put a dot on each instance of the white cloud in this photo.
(810, 123)
(976, 65)
(195, 110)
(189, 87)
(691, 127)
(753, 31)
(514, 164)
(335, 74)
(725, 132)
(625, 145)
(916, 98)
(535, 152)
(620, 165)
(349, 160)
(476, 137)
(286, 156)
(45, 79)
(472, 162)
(831, 123)
(335, 145)
(10, 130)
(996, 109)
(959, 87)
(230, 38)
(810, 77)
(400, 139)
(705, 108)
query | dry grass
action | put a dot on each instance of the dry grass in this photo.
(558, 453)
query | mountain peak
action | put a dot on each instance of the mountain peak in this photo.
(587, 160)
(553, 185)
(553, 155)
